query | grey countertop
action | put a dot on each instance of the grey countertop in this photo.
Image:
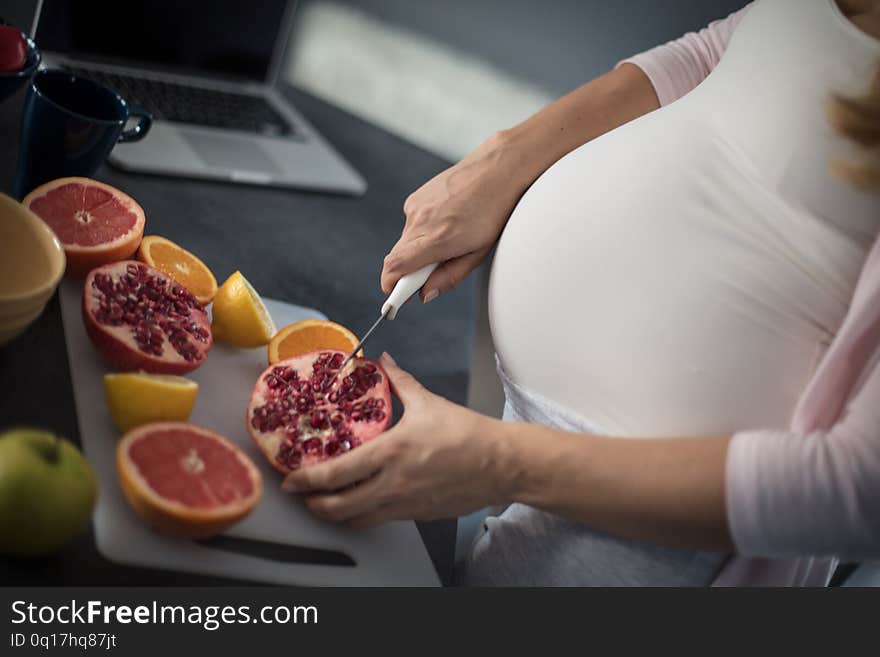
(307, 248)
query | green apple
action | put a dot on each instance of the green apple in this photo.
(47, 492)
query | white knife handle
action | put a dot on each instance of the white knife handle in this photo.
(405, 288)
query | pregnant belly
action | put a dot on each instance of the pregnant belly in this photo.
(655, 292)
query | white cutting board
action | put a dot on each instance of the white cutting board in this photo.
(392, 555)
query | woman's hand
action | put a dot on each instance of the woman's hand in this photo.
(439, 461)
(442, 460)
(456, 217)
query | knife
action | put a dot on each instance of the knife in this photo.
(405, 288)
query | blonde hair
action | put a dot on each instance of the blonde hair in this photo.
(859, 119)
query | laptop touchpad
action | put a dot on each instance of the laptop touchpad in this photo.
(226, 153)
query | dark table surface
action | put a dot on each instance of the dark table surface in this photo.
(312, 249)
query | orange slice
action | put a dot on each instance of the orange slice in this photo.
(311, 335)
(181, 265)
(184, 480)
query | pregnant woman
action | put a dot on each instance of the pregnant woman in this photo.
(692, 373)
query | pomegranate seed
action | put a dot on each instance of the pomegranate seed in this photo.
(142, 300)
(316, 416)
(312, 446)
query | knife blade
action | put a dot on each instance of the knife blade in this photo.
(361, 343)
(405, 288)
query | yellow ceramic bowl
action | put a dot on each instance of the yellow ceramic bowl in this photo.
(31, 264)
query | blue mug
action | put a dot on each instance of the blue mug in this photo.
(69, 125)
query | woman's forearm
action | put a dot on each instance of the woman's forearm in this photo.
(456, 217)
(668, 491)
(597, 107)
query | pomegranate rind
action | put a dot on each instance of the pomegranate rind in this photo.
(82, 259)
(169, 516)
(111, 341)
(270, 442)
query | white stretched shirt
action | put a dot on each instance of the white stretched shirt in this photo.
(683, 274)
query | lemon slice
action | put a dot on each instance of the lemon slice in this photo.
(239, 316)
(139, 398)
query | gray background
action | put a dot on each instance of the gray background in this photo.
(556, 44)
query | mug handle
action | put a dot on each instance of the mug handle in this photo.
(140, 130)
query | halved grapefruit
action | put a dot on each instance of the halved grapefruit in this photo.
(184, 480)
(95, 223)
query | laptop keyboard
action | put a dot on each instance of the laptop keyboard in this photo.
(169, 101)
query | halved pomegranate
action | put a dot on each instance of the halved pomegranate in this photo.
(139, 319)
(300, 414)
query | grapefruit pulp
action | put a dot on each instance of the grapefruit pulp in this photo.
(95, 223)
(184, 480)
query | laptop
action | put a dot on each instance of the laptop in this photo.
(206, 70)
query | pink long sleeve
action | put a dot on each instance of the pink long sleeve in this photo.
(790, 494)
(678, 66)
(815, 490)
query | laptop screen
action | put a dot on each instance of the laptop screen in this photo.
(229, 38)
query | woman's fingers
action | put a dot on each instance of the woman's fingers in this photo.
(336, 473)
(390, 271)
(450, 274)
(374, 518)
(412, 253)
(341, 506)
(403, 384)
